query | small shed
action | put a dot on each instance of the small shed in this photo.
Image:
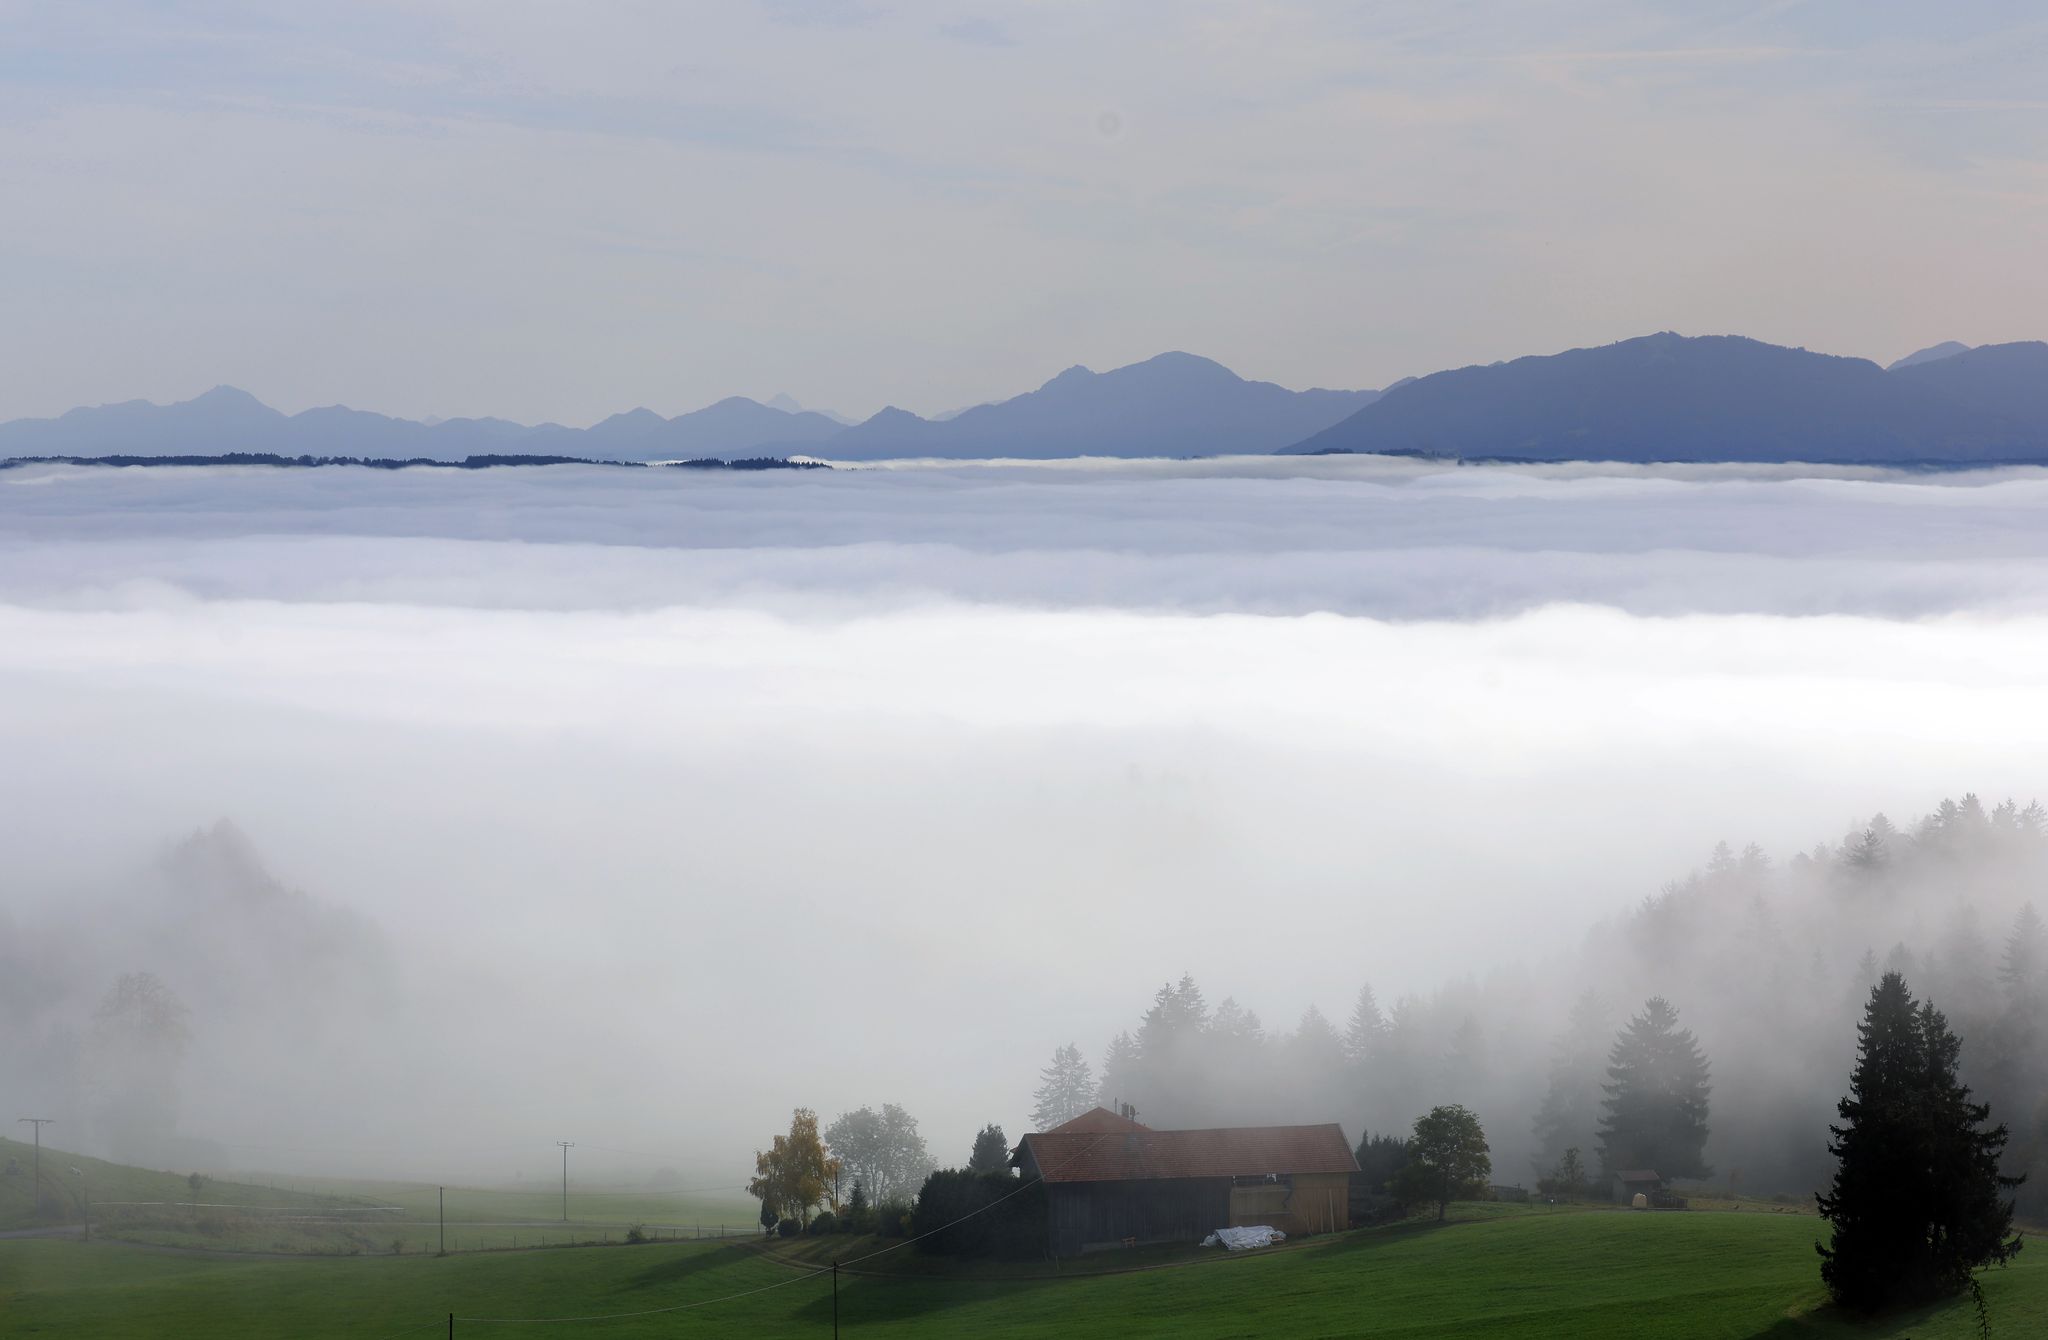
(1630, 1184)
(1112, 1182)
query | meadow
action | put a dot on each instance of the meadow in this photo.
(329, 1216)
(1578, 1273)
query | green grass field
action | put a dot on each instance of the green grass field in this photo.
(117, 1186)
(336, 1216)
(1526, 1274)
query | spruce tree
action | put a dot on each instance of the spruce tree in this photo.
(2025, 961)
(1065, 1089)
(1916, 1203)
(1571, 1105)
(991, 1152)
(1367, 1027)
(1656, 1105)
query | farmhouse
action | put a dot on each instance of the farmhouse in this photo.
(1112, 1182)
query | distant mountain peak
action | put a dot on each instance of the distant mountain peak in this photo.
(1179, 358)
(637, 420)
(1933, 353)
(225, 395)
(1667, 397)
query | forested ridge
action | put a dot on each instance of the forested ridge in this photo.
(1767, 962)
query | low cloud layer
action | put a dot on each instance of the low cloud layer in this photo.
(683, 800)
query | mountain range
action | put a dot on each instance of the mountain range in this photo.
(1663, 397)
(1716, 398)
(1175, 404)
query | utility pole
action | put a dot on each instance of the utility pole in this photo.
(444, 1218)
(566, 1145)
(36, 1196)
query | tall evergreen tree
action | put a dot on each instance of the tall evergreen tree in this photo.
(1168, 1071)
(1367, 1027)
(991, 1151)
(1916, 1202)
(2024, 964)
(1571, 1104)
(1065, 1090)
(1119, 1083)
(1656, 1105)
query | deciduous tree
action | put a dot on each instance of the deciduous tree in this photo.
(795, 1173)
(1448, 1157)
(882, 1149)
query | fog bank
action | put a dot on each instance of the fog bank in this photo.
(655, 805)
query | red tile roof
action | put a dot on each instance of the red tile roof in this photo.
(1146, 1155)
(1097, 1121)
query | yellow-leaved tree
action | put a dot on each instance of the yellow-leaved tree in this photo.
(795, 1173)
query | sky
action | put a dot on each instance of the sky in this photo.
(557, 212)
(682, 799)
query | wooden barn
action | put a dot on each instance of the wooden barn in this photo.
(1111, 1182)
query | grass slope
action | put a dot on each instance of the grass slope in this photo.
(117, 1185)
(1732, 1275)
(329, 1216)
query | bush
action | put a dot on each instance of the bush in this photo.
(857, 1216)
(1380, 1160)
(637, 1233)
(826, 1222)
(967, 1215)
(789, 1228)
(892, 1218)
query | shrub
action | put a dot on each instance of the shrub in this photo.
(857, 1216)
(825, 1223)
(892, 1219)
(637, 1233)
(968, 1214)
(789, 1228)
(1380, 1160)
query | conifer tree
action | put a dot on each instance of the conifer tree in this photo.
(1571, 1103)
(1656, 1105)
(1119, 1072)
(2025, 961)
(991, 1153)
(1367, 1026)
(1065, 1089)
(1916, 1202)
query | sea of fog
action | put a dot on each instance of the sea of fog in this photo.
(685, 798)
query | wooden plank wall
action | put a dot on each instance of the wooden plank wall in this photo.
(1092, 1215)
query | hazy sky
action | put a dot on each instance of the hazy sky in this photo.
(616, 756)
(559, 211)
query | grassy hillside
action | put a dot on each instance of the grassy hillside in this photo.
(1734, 1275)
(329, 1216)
(595, 1206)
(117, 1187)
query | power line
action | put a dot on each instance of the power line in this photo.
(832, 1269)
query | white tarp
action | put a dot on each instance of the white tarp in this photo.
(1244, 1239)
